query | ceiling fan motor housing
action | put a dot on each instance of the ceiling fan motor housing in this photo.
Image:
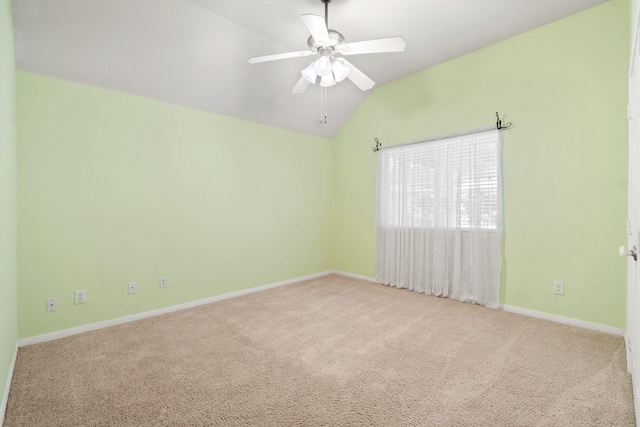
(335, 39)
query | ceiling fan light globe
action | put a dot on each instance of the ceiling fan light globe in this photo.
(322, 66)
(310, 74)
(327, 80)
(340, 71)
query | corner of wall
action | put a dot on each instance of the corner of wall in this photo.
(8, 206)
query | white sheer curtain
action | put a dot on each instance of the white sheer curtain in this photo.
(439, 217)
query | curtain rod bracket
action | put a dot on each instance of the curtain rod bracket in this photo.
(377, 147)
(499, 126)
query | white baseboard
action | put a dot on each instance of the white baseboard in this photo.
(565, 320)
(527, 312)
(131, 318)
(5, 396)
(530, 313)
(355, 276)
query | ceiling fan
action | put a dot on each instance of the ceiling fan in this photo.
(326, 44)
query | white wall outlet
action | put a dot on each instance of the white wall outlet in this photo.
(318, 256)
(133, 287)
(52, 304)
(163, 282)
(558, 288)
(80, 297)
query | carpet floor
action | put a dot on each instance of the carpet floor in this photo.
(332, 351)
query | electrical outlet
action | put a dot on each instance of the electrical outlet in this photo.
(133, 287)
(558, 288)
(163, 282)
(318, 254)
(80, 297)
(52, 304)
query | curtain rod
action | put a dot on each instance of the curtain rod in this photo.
(498, 126)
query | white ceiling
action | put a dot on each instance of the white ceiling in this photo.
(194, 52)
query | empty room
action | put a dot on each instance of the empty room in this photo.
(319, 212)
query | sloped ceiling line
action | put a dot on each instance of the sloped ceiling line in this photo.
(194, 52)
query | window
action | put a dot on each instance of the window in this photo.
(439, 217)
(447, 183)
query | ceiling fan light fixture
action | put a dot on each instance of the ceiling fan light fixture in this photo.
(322, 66)
(340, 71)
(324, 43)
(327, 80)
(310, 74)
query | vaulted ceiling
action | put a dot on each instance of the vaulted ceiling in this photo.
(194, 52)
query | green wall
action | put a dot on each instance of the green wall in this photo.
(116, 188)
(8, 268)
(635, 7)
(564, 86)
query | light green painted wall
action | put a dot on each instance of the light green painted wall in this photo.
(115, 188)
(8, 267)
(564, 86)
(635, 8)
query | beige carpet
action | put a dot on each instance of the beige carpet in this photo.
(332, 351)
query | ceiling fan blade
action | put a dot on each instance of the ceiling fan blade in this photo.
(317, 28)
(266, 58)
(390, 44)
(301, 86)
(357, 76)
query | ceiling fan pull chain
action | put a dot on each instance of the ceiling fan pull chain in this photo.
(323, 105)
(321, 102)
